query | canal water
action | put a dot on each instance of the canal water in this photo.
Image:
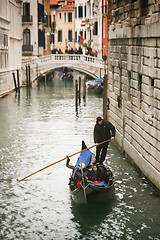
(40, 127)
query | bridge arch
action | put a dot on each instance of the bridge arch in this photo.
(80, 69)
(92, 66)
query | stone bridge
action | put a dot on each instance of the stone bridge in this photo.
(85, 64)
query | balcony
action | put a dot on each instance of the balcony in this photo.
(27, 50)
(27, 19)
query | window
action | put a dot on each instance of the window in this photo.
(70, 36)
(80, 12)
(85, 11)
(144, 7)
(5, 40)
(84, 34)
(26, 37)
(60, 15)
(52, 38)
(40, 13)
(65, 17)
(26, 9)
(69, 17)
(75, 12)
(95, 32)
(49, 20)
(26, 13)
(60, 36)
(92, 9)
(41, 38)
(75, 36)
(90, 34)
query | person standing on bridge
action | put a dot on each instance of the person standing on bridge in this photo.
(103, 130)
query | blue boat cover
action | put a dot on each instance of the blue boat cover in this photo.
(102, 183)
(85, 158)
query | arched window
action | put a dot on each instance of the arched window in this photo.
(26, 37)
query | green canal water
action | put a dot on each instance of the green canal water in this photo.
(41, 126)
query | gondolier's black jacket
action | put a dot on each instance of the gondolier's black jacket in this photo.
(104, 131)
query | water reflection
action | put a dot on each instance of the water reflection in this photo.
(90, 215)
(39, 127)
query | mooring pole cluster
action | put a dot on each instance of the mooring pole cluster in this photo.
(78, 91)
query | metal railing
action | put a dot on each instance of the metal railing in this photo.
(66, 58)
(27, 48)
(27, 19)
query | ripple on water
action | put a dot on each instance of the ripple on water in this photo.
(43, 128)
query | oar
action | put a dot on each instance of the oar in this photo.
(61, 160)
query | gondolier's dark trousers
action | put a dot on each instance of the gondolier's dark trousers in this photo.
(101, 152)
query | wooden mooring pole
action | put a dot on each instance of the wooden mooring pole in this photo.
(84, 88)
(76, 94)
(18, 80)
(45, 78)
(14, 78)
(27, 75)
(79, 91)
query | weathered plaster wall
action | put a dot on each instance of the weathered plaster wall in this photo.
(10, 43)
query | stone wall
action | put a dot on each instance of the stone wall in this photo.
(134, 82)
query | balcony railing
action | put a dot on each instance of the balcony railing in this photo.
(27, 48)
(27, 19)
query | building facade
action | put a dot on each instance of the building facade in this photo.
(82, 15)
(63, 24)
(10, 43)
(53, 6)
(33, 23)
(88, 22)
(97, 30)
(134, 81)
(47, 18)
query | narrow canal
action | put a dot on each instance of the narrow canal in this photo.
(40, 127)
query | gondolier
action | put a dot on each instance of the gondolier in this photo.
(103, 130)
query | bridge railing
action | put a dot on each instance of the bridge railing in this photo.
(66, 58)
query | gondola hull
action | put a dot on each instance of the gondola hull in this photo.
(92, 194)
(85, 189)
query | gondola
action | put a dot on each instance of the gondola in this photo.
(67, 76)
(86, 191)
(95, 86)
